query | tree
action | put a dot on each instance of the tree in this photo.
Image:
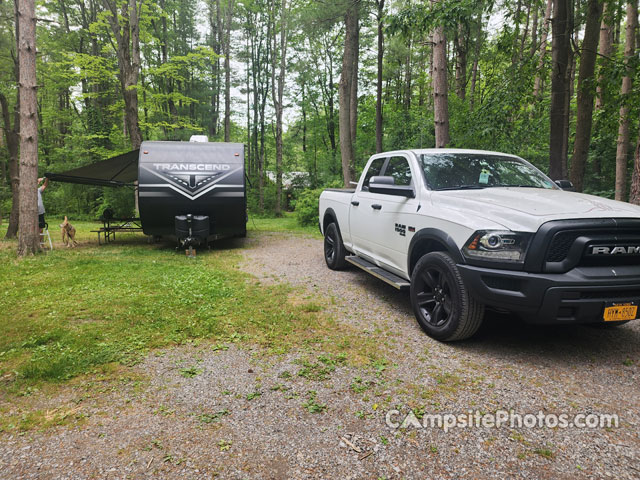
(605, 47)
(277, 91)
(226, 45)
(12, 137)
(625, 91)
(28, 238)
(380, 59)
(440, 86)
(125, 26)
(586, 93)
(537, 89)
(559, 88)
(345, 88)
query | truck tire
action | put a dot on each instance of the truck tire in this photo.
(441, 302)
(334, 251)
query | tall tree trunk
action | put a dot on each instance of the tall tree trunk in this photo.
(14, 144)
(584, 120)
(440, 86)
(605, 48)
(461, 60)
(544, 35)
(476, 60)
(227, 70)
(534, 29)
(214, 25)
(516, 33)
(353, 96)
(623, 130)
(559, 80)
(571, 75)
(349, 63)
(278, 91)
(380, 20)
(28, 236)
(126, 30)
(408, 88)
(12, 139)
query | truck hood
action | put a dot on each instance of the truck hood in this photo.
(525, 209)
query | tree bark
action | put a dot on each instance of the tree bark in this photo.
(623, 130)
(516, 33)
(440, 86)
(584, 119)
(476, 59)
(559, 81)
(380, 20)
(353, 96)
(227, 70)
(534, 29)
(461, 60)
(28, 236)
(605, 48)
(12, 138)
(126, 30)
(277, 91)
(544, 35)
(349, 60)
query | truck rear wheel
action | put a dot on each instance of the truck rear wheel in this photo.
(440, 301)
(334, 251)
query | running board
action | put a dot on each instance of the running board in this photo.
(387, 277)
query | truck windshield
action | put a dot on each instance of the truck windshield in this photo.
(458, 171)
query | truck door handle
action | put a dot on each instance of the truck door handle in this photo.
(355, 203)
(376, 206)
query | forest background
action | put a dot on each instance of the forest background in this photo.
(313, 88)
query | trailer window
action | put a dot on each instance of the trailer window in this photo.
(374, 169)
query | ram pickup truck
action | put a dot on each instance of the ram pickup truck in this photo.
(465, 229)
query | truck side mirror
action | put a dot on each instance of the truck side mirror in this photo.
(386, 185)
(565, 185)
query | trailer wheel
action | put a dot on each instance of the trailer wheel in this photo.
(334, 251)
(441, 302)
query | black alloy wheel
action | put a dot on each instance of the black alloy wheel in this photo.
(334, 251)
(441, 302)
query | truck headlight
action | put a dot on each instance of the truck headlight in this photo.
(496, 245)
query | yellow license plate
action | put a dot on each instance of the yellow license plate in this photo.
(618, 312)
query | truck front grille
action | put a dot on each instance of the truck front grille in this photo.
(567, 247)
(560, 246)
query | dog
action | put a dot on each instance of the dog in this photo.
(68, 233)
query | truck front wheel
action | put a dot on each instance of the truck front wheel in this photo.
(334, 251)
(440, 301)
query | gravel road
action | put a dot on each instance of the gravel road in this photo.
(248, 414)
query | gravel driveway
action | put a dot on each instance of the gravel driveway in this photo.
(236, 411)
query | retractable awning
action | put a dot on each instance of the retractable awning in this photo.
(119, 171)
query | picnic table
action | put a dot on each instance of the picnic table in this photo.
(112, 225)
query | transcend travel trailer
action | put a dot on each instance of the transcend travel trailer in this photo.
(193, 191)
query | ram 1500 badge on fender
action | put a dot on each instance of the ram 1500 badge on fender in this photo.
(465, 229)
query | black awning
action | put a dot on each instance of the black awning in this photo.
(118, 171)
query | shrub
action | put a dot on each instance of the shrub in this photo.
(306, 206)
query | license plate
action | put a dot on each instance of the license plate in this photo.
(618, 312)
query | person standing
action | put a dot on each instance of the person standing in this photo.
(41, 211)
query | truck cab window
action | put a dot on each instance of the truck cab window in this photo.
(399, 169)
(374, 169)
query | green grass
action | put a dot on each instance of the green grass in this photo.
(286, 223)
(74, 311)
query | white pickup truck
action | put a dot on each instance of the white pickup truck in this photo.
(467, 229)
